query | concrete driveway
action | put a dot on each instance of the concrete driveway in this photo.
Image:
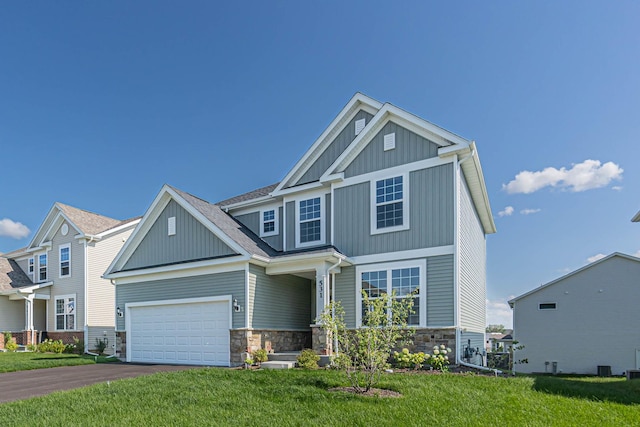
(38, 382)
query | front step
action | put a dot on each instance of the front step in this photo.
(278, 364)
(291, 356)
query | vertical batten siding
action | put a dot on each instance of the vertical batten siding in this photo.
(192, 241)
(346, 294)
(327, 220)
(440, 310)
(472, 254)
(334, 150)
(431, 215)
(291, 225)
(67, 285)
(253, 223)
(210, 285)
(409, 148)
(280, 302)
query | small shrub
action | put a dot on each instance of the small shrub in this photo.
(260, 355)
(248, 361)
(308, 359)
(405, 359)
(439, 358)
(11, 345)
(101, 345)
(32, 347)
(51, 346)
(7, 337)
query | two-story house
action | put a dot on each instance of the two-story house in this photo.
(53, 287)
(382, 201)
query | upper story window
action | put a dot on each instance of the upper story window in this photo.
(547, 306)
(65, 260)
(66, 313)
(31, 265)
(390, 210)
(310, 221)
(268, 222)
(42, 268)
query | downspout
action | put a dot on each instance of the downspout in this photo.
(457, 254)
(333, 297)
(482, 368)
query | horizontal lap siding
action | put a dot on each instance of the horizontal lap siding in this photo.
(280, 302)
(440, 307)
(231, 283)
(192, 241)
(431, 215)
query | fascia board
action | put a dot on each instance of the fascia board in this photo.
(473, 170)
(179, 270)
(358, 100)
(636, 218)
(297, 189)
(247, 203)
(118, 229)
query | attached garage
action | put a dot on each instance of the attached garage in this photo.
(191, 331)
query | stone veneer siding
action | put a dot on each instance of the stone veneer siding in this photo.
(425, 339)
(247, 340)
(121, 344)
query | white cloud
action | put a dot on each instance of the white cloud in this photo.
(617, 188)
(595, 258)
(506, 211)
(583, 176)
(529, 211)
(10, 228)
(499, 313)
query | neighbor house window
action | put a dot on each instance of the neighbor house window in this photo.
(42, 267)
(31, 265)
(547, 306)
(268, 222)
(65, 261)
(406, 279)
(310, 221)
(66, 313)
(389, 210)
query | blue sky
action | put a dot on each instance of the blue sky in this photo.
(101, 103)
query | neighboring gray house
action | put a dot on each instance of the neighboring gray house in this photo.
(383, 200)
(53, 287)
(583, 320)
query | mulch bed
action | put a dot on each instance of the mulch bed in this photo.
(373, 392)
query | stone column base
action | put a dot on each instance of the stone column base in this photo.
(321, 340)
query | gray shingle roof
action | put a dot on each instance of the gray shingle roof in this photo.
(12, 276)
(260, 192)
(89, 222)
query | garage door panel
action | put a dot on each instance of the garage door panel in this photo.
(187, 333)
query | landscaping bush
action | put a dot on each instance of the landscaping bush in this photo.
(11, 345)
(439, 358)
(260, 355)
(101, 345)
(308, 359)
(51, 346)
(405, 359)
(76, 348)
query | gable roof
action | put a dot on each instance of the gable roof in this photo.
(573, 273)
(251, 195)
(12, 276)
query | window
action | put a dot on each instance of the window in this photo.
(389, 205)
(42, 267)
(268, 222)
(404, 278)
(66, 313)
(65, 261)
(31, 265)
(310, 221)
(547, 306)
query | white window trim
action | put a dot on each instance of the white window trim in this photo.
(31, 266)
(276, 228)
(323, 219)
(60, 248)
(55, 311)
(405, 205)
(46, 268)
(420, 263)
(171, 226)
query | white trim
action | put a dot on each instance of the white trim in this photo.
(46, 255)
(456, 256)
(323, 218)
(388, 266)
(31, 266)
(275, 220)
(60, 248)
(373, 209)
(117, 229)
(56, 314)
(403, 255)
(183, 270)
(171, 226)
(246, 296)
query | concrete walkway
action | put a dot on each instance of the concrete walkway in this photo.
(38, 382)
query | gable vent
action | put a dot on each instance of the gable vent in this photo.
(171, 226)
(389, 141)
(360, 125)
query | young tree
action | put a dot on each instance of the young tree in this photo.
(495, 328)
(363, 353)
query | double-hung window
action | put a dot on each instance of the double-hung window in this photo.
(389, 207)
(268, 222)
(31, 266)
(407, 279)
(66, 313)
(310, 221)
(42, 268)
(65, 260)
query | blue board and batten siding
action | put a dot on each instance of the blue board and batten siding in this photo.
(279, 302)
(346, 293)
(291, 221)
(192, 241)
(210, 285)
(431, 218)
(334, 150)
(253, 223)
(409, 148)
(472, 261)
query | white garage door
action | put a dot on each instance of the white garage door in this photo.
(187, 332)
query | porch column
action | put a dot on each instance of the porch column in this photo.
(322, 291)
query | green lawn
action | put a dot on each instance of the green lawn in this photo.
(212, 396)
(10, 362)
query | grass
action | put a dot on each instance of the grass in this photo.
(22, 361)
(213, 396)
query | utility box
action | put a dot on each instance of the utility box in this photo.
(633, 374)
(604, 371)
